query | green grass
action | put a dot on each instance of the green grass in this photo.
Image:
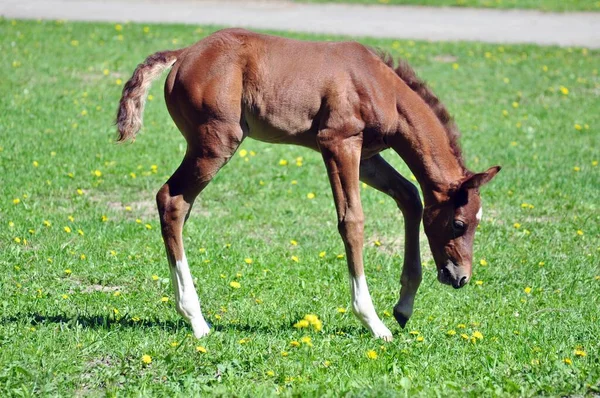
(542, 5)
(85, 332)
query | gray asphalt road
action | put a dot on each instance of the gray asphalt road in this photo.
(436, 24)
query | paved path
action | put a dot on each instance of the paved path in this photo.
(494, 26)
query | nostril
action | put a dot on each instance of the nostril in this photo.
(463, 281)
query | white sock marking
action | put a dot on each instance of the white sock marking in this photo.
(187, 299)
(363, 308)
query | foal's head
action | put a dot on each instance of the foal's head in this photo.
(450, 228)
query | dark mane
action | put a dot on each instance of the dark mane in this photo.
(409, 76)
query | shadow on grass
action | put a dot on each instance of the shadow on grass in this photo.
(107, 322)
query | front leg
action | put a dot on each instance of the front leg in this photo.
(342, 159)
(378, 173)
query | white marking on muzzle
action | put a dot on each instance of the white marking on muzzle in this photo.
(479, 214)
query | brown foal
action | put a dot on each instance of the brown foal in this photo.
(341, 99)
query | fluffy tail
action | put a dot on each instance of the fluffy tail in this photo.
(131, 106)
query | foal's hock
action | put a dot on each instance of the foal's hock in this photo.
(343, 100)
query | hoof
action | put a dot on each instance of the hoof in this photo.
(401, 319)
(200, 328)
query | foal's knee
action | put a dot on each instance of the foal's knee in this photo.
(351, 227)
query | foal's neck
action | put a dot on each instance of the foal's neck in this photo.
(425, 146)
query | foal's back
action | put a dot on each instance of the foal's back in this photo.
(278, 89)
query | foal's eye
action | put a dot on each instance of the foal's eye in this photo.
(459, 226)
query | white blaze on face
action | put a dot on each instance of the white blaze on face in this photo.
(479, 214)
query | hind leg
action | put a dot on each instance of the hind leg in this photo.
(204, 157)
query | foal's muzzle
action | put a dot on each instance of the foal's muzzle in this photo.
(452, 274)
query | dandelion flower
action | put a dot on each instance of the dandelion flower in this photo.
(527, 290)
(420, 339)
(302, 323)
(451, 332)
(322, 254)
(580, 353)
(164, 299)
(67, 229)
(341, 310)
(293, 242)
(294, 343)
(235, 285)
(146, 359)
(477, 334)
(479, 283)
(371, 354)
(295, 259)
(483, 262)
(306, 340)
(248, 260)
(579, 232)
(568, 361)
(310, 195)
(16, 201)
(564, 90)
(201, 349)
(283, 162)
(154, 277)
(243, 153)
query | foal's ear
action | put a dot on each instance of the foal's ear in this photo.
(477, 180)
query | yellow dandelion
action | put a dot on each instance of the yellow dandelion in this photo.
(146, 359)
(201, 349)
(527, 290)
(293, 242)
(67, 229)
(377, 243)
(580, 353)
(451, 332)
(235, 285)
(517, 225)
(118, 27)
(310, 195)
(371, 354)
(322, 254)
(483, 262)
(16, 201)
(118, 82)
(420, 339)
(341, 310)
(243, 153)
(515, 104)
(464, 336)
(579, 232)
(270, 373)
(414, 332)
(307, 340)
(578, 127)
(97, 173)
(479, 283)
(564, 90)
(477, 334)
(164, 299)
(155, 277)
(568, 361)
(174, 344)
(295, 259)
(284, 353)
(17, 240)
(148, 226)
(248, 260)
(576, 168)
(283, 162)
(302, 323)
(104, 218)
(294, 343)
(82, 257)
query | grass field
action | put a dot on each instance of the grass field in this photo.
(85, 290)
(542, 5)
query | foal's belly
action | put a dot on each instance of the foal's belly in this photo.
(278, 131)
(301, 133)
